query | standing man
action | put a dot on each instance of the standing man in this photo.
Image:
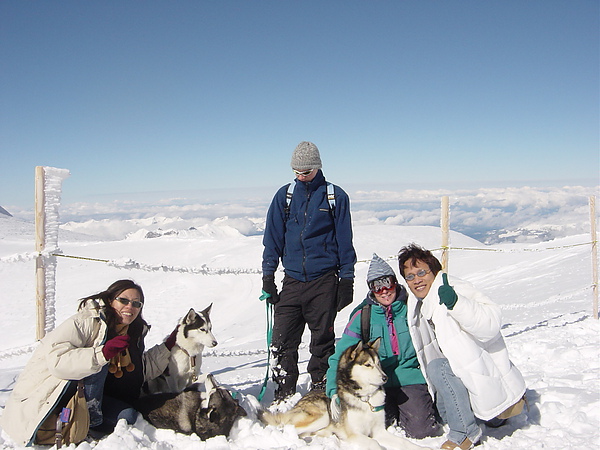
(308, 227)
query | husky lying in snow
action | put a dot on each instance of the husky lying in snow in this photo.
(207, 413)
(194, 332)
(361, 420)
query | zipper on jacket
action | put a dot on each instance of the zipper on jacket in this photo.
(302, 232)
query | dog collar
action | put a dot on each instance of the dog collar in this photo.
(376, 408)
(192, 364)
(367, 400)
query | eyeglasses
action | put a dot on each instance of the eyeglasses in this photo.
(303, 173)
(421, 273)
(381, 284)
(126, 301)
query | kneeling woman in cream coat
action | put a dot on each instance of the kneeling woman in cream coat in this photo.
(473, 377)
(88, 346)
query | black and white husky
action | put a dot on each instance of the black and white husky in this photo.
(361, 416)
(206, 409)
(194, 332)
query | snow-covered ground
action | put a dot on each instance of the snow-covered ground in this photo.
(544, 289)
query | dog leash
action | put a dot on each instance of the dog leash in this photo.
(265, 296)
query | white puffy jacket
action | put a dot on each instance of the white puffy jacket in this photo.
(469, 337)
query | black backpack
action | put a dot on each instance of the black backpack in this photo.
(365, 323)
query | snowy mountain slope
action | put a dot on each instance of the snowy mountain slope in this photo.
(543, 289)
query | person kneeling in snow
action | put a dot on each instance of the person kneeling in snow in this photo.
(382, 314)
(102, 345)
(456, 331)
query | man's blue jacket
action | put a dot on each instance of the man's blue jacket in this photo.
(310, 239)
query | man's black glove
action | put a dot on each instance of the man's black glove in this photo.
(270, 288)
(345, 293)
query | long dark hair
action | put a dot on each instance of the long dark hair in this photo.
(106, 297)
(414, 253)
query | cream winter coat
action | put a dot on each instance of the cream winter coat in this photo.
(469, 337)
(71, 351)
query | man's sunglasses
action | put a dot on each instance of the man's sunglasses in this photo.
(304, 173)
(381, 284)
(126, 301)
(421, 273)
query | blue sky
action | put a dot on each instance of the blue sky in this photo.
(135, 97)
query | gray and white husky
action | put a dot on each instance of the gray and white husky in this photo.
(361, 417)
(194, 332)
(206, 409)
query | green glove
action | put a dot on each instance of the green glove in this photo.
(447, 293)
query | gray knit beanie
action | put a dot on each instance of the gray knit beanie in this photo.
(379, 268)
(306, 157)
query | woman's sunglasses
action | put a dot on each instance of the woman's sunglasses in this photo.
(126, 301)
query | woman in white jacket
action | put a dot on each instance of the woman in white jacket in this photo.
(473, 376)
(88, 346)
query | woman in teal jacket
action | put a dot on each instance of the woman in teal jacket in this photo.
(408, 401)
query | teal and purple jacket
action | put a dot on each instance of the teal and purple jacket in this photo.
(397, 353)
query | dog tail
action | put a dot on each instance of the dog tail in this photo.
(269, 418)
(306, 419)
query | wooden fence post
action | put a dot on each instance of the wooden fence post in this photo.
(445, 225)
(40, 270)
(594, 255)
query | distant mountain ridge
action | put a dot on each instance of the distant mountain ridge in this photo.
(3, 211)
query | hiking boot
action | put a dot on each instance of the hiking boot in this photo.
(464, 445)
(282, 395)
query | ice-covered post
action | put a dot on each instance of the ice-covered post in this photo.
(594, 254)
(40, 285)
(445, 224)
(48, 181)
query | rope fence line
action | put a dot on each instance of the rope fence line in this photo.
(499, 250)
(133, 264)
(516, 250)
(205, 270)
(85, 258)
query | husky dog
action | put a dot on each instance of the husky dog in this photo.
(207, 413)
(194, 332)
(361, 416)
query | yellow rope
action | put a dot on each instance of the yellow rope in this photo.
(80, 257)
(389, 257)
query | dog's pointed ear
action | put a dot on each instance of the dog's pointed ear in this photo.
(189, 317)
(375, 344)
(210, 383)
(207, 310)
(356, 350)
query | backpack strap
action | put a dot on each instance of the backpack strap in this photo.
(288, 199)
(330, 197)
(365, 323)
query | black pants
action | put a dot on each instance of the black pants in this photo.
(311, 303)
(412, 408)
